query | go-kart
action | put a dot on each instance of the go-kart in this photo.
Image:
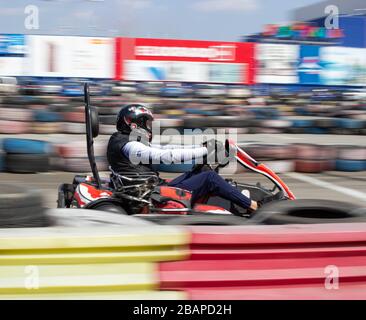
(147, 194)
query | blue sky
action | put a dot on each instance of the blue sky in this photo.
(185, 19)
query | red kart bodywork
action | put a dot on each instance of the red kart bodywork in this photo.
(249, 163)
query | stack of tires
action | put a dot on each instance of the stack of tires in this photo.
(314, 158)
(278, 157)
(74, 118)
(74, 156)
(2, 157)
(15, 119)
(26, 156)
(21, 207)
(107, 117)
(46, 122)
(349, 126)
(300, 125)
(351, 158)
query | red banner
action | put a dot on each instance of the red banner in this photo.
(190, 60)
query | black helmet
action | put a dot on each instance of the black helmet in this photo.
(135, 117)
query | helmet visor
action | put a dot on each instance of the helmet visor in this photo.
(145, 123)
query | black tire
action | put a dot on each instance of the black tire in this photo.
(21, 208)
(26, 218)
(27, 163)
(108, 119)
(205, 220)
(325, 123)
(12, 196)
(110, 208)
(308, 211)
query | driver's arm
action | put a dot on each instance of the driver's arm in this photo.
(137, 153)
(174, 146)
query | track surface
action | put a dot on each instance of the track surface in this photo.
(341, 186)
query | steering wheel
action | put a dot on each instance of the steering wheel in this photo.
(210, 155)
(198, 167)
(227, 155)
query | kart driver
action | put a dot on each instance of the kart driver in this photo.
(135, 155)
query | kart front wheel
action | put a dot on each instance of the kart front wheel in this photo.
(110, 208)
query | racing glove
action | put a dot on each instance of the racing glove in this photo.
(215, 151)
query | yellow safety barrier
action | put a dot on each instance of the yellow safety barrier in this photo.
(67, 238)
(82, 277)
(93, 263)
(118, 295)
(167, 253)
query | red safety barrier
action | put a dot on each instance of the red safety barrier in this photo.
(272, 262)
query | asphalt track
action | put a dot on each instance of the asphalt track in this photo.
(341, 186)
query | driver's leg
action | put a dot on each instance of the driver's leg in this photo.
(210, 182)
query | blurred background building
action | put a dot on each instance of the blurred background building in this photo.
(352, 19)
(292, 78)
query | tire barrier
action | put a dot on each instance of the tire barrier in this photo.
(280, 166)
(14, 127)
(314, 158)
(78, 117)
(271, 115)
(46, 127)
(21, 208)
(278, 157)
(16, 114)
(27, 146)
(90, 262)
(46, 116)
(27, 163)
(350, 165)
(83, 165)
(26, 156)
(108, 119)
(307, 211)
(2, 160)
(351, 158)
(73, 128)
(78, 148)
(281, 158)
(270, 262)
(107, 129)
